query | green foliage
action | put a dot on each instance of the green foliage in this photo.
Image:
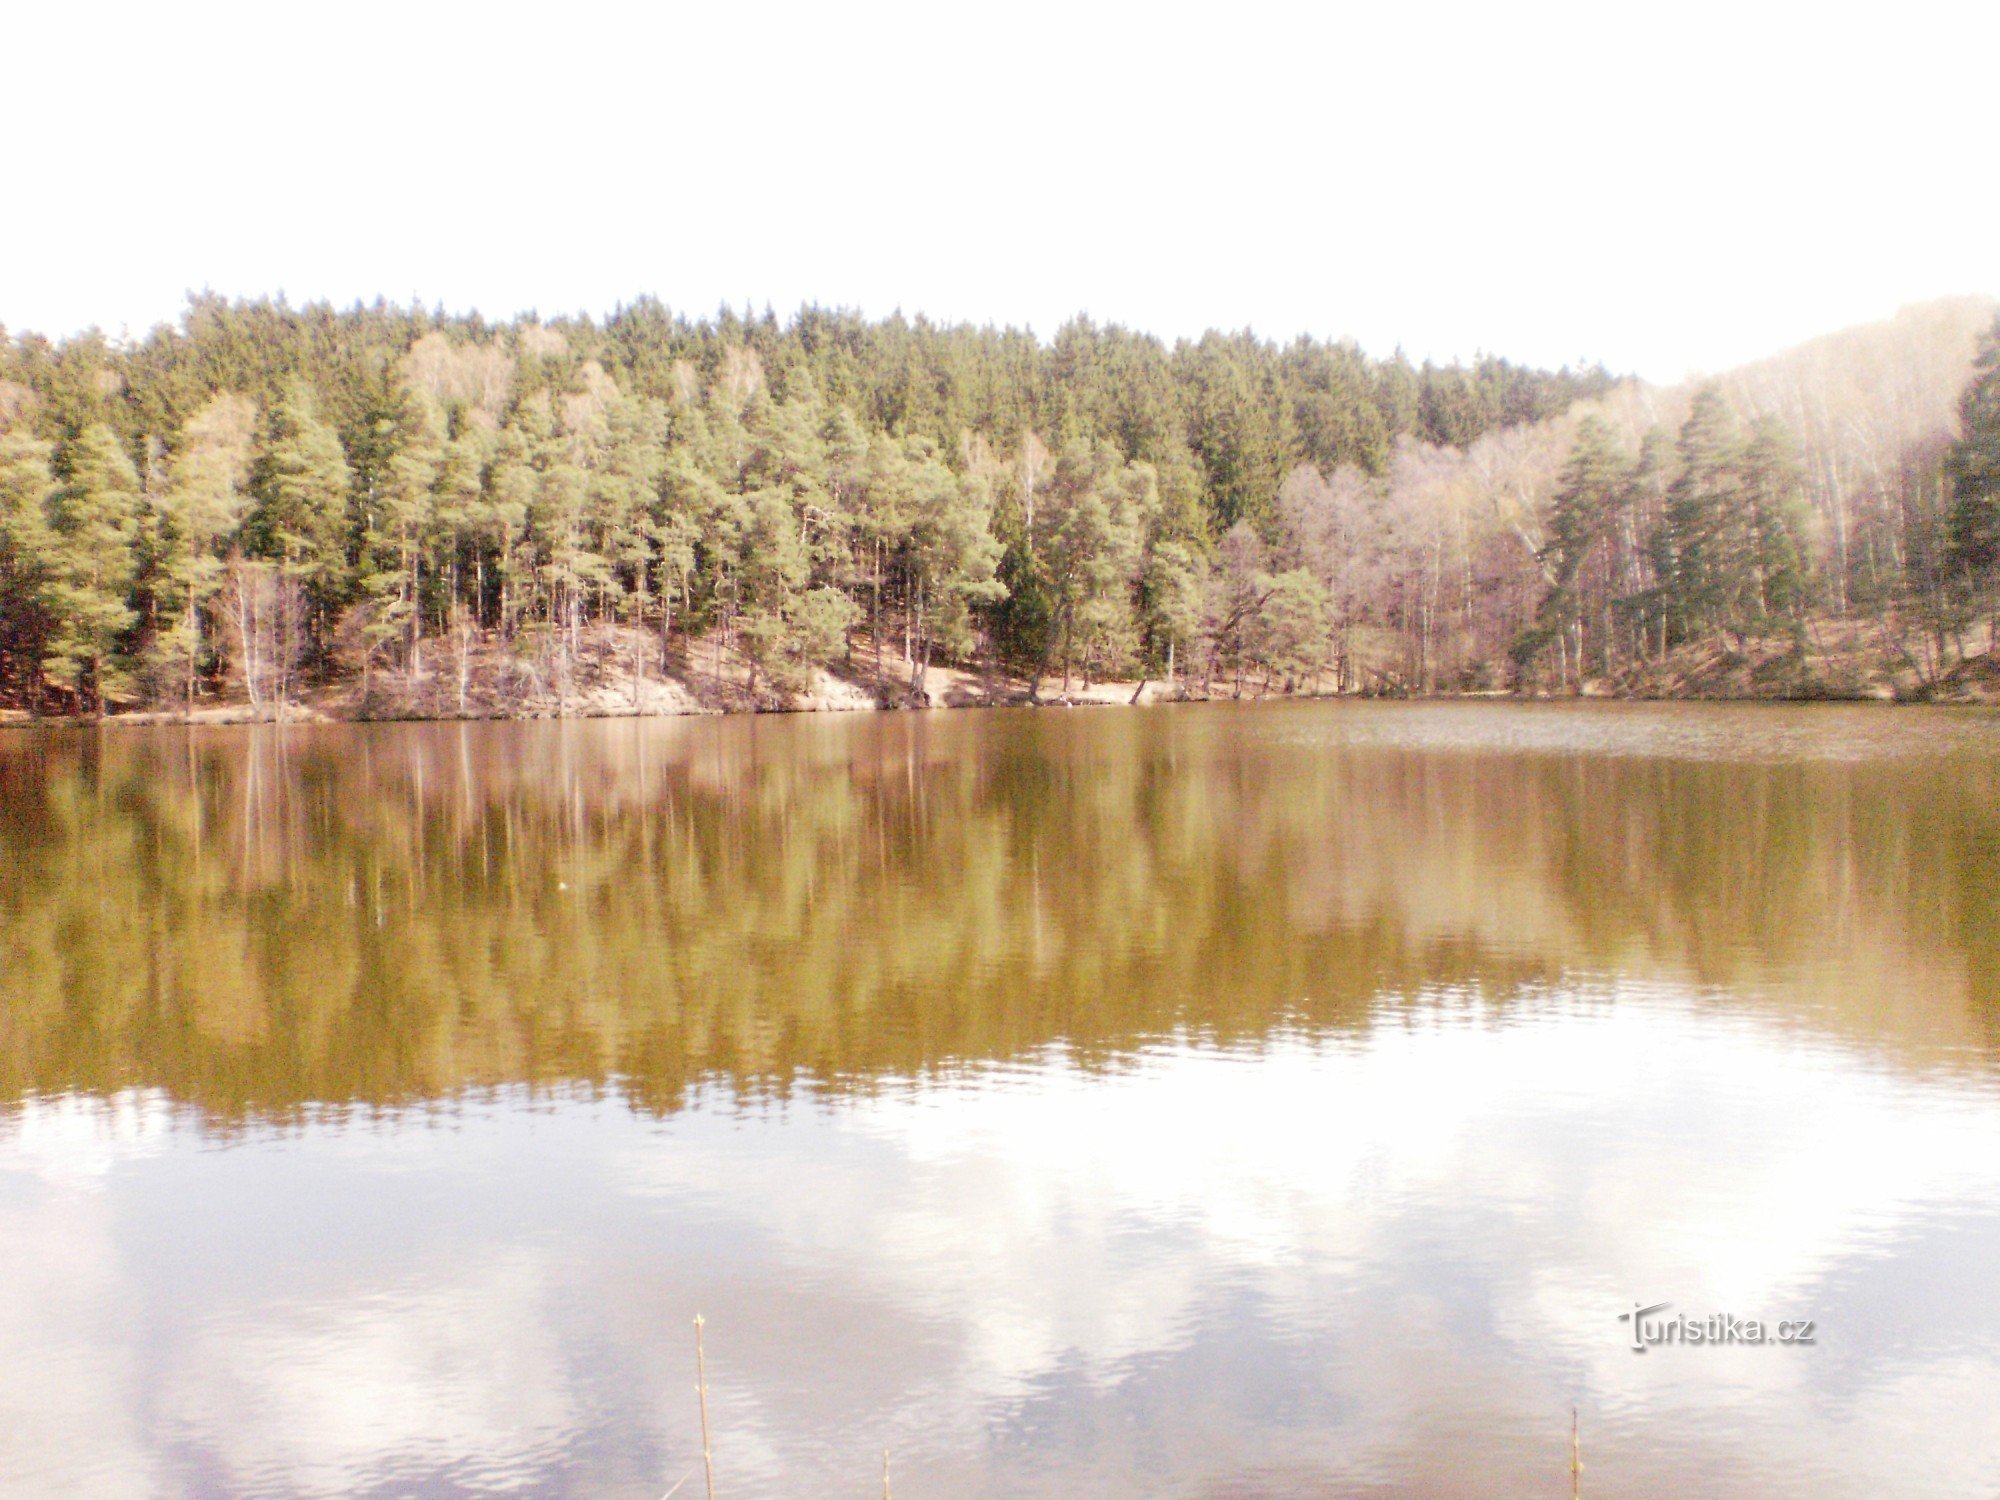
(1086, 548)
(952, 559)
(302, 517)
(1175, 583)
(1584, 518)
(400, 520)
(1973, 467)
(1778, 585)
(1732, 541)
(196, 513)
(27, 485)
(1294, 625)
(394, 475)
(1701, 560)
(92, 560)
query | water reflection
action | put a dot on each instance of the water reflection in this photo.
(253, 922)
(1205, 1103)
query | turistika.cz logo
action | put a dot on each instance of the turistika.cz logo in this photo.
(1649, 1329)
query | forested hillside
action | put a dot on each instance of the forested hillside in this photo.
(1806, 513)
(266, 500)
(1816, 524)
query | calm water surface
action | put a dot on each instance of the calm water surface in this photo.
(1233, 1101)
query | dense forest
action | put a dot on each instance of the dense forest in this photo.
(264, 501)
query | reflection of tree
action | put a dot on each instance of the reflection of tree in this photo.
(258, 921)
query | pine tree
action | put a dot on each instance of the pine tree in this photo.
(1233, 429)
(775, 573)
(1650, 564)
(1089, 542)
(401, 522)
(1581, 519)
(1973, 467)
(1294, 626)
(952, 566)
(27, 486)
(302, 516)
(1702, 563)
(1779, 585)
(199, 510)
(556, 495)
(628, 505)
(1175, 579)
(94, 522)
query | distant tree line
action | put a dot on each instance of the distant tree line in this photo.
(266, 491)
(265, 495)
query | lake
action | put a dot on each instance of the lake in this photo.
(1212, 1100)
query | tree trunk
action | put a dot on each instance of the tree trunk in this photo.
(416, 620)
(920, 668)
(194, 628)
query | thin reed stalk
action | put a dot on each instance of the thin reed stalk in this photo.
(701, 1390)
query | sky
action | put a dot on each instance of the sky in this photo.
(1665, 189)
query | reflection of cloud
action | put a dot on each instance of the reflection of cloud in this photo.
(110, 1385)
(68, 1423)
(1389, 1260)
(1631, 1132)
(76, 1139)
(460, 1372)
(1482, 1198)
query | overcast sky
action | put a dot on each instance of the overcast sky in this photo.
(1662, 188)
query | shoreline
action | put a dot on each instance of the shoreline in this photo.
(616, 680)
(237, 716)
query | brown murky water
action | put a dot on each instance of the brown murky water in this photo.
(1256, 1100)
